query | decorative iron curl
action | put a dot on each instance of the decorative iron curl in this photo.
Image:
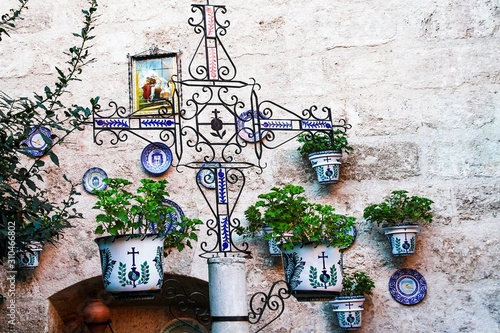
(196, 301)
(118, 136)
(221, 26)
(197, 25)
(272, 301)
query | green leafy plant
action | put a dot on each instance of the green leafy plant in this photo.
(321, 141)
(294, 220)
(28, 213)
(398, 208)
(356, 284)
(126, 213)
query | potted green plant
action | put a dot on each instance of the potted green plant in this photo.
(349, 305)
(141, 228)
(400, 214)
(310, 235)
(324, 151)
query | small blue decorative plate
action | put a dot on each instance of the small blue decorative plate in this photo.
(156, 158)
(93, 180)
(39, 139)
(174, 217)
(407, 286)
(206, 175)
(245, 126)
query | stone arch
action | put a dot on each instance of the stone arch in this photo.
(181, 297)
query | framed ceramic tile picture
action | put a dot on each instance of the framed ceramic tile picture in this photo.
(152, 88)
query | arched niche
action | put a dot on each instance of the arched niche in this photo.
(181, 297)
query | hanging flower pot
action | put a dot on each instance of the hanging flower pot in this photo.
(402, 238)
(96, 316)
(324, 150)
(314, 272)
(349, 310)
(327, 166)
(132, 265)
(29, 258)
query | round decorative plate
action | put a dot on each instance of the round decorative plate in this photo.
(407, 286)
(93, 180)
(36, 140)
(206, 175)
(245, 126)
(174, 217)
(156, 158)
(184, 325)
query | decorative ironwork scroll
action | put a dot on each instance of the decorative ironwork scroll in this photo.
(274, 301)
(195, 302)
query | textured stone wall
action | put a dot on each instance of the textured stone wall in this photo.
(417, 80)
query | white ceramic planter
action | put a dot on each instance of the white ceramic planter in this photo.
(27, 259)
(348, 309)
(273, 246)
(314, 273)
(327, 166)
(403, 238)
(132, 265)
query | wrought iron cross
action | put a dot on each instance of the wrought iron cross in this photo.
(221, 122)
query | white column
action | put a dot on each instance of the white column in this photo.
(228, 294)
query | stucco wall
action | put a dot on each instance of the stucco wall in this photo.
(417, 80)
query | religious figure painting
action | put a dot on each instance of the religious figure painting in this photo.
(152, 84)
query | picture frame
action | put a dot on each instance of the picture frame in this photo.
(152, 79)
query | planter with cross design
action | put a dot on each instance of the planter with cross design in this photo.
(314, 272)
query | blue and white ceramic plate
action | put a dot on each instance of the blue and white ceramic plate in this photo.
(39, 139)
(206, 175)
(245, 126)
(156, 158)
(93, 179)
(174, 217)
(407, 286)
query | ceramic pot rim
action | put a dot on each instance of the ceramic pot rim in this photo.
(128, 236)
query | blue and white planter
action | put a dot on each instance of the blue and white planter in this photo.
(349, 310)
(29, 259)
(327, 165)
(313, 272)
(403, 238)
(132, 265)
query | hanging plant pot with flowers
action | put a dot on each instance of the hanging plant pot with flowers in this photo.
(324, 151)
(350, 304)
(399, 215)
(311, 238)
(140, 227)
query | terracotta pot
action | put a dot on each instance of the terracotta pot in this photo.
(96, 316)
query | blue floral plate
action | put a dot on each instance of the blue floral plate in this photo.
(407, 286)
(156, 158)
(93, 180)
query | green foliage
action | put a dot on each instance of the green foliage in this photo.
(125, 212)
(27, 212)
(398, 207)
(321, 141)
(357, 284)
(294, 220)
(7, 21)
